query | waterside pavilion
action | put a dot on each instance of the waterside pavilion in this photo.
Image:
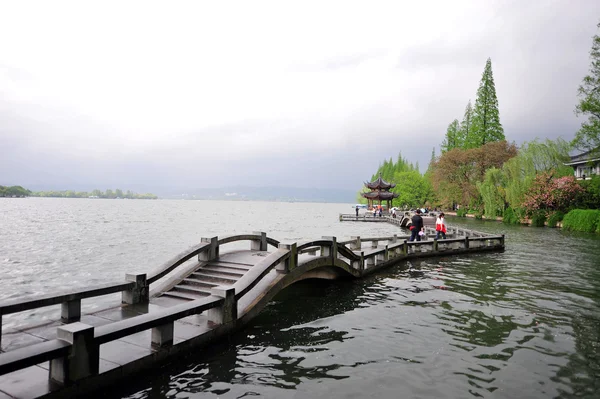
(380, 191)
(586, 164)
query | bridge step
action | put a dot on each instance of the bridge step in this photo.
(216, 279)
(240, 265)
(198, 283)
(219, 271)
(189, 290)
(180, 295)
(229, 266)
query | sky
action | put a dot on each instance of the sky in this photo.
(160, 95)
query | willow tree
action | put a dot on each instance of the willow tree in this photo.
(486, 126)
(588, 136)
(492, 193)
(519, 173)
(548, 155)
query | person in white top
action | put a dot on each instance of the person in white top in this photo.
(440, 226)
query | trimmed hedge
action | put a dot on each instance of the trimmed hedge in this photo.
(586, 220)
(554, 218)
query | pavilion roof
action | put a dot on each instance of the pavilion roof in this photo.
(379, 184)
(380, 195)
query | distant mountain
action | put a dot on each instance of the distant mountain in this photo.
(286, 194)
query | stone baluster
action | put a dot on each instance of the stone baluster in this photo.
(331, 251)
(292, 261)
(70, 311)
(260, 244)
(162, 336)
(227, 312)
(83, 359)
(212, 252)
(140, 291)
(356, 243)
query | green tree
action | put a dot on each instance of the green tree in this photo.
(486, 126)
(456, 173)
(466, 125)
(492, 193)
(548, 155)
(413, 189)
(588, 136)
(14, 191)
(452, 139)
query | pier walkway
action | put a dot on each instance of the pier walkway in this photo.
(200, 295)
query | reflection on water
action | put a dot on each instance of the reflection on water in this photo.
(524, 323)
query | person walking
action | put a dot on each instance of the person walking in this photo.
(416, 226)
(440, 227)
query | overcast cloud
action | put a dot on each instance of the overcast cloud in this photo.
(305, 94)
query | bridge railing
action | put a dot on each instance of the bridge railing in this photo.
(253, 276)
(75, 354)
(136, 287)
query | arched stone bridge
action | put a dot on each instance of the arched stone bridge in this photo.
(196, 297)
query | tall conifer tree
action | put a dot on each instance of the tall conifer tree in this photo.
(465, 126)
(452, 139)
(486, 125)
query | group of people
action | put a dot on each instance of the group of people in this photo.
(417, 229)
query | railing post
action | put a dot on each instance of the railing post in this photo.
(332, 250)
(405, 248)
(386, 255)
(83, 359)
(139, 293)
(466, 242)
(501, 243)
(395, 238)
(374, 244)
(163, 335)
(356, 244)
(226, 313)
(212, 252)
(292, 261)
(362, 262)
(0, 328)
(70, 311)
(435, 245)
(259, 245)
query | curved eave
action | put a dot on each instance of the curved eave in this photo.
(383, 195)
(379, 184)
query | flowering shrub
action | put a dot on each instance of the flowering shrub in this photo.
(551, 194)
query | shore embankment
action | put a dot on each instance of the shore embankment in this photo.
(526, 222)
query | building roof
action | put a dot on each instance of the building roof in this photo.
(584, 157)
(379, 184)
(380, 195)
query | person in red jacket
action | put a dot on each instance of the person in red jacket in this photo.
(440, 227)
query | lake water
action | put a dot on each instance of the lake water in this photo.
(524, 323)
